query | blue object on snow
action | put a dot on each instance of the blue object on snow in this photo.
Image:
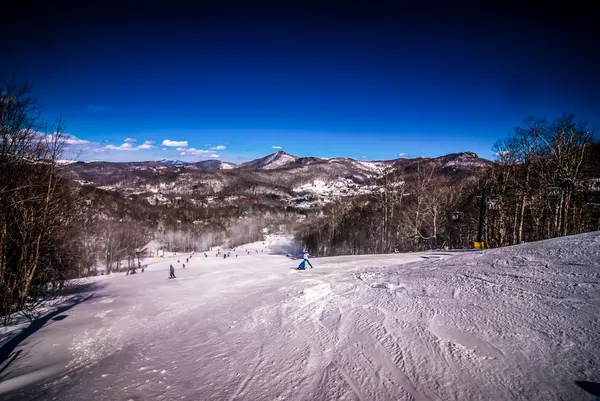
(302, 265)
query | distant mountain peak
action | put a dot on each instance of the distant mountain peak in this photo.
(275, 160)
(172, 161)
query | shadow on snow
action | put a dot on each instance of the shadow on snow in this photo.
(7, 354)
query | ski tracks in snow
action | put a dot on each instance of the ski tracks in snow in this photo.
(505, 324)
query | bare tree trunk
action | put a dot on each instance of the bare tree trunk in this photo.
(521, 219)
(515, 224)
(565, 215)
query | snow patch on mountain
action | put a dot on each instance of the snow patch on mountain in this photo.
(172, 161)
(65, 162)
(319, 191)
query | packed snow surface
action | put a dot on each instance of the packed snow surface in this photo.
(507, 324)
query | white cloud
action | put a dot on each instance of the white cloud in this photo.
(198, 152)
(220, 147)
(182, 153)
(164, 148)
(182, 149)
(402, 154)
(276, 147)
(130, 140)
(146, 145)
(216, 156)
(72, 140)
(69, 139)
(174, 144)
(124, 146)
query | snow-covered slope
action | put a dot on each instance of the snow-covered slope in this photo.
(506, 324)
(213, 165)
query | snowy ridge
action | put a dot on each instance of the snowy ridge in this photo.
(513, 323)
(306, 182)
(273, 161)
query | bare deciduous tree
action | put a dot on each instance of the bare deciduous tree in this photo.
(38, 209)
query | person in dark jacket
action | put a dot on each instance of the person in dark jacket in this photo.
(172, 272)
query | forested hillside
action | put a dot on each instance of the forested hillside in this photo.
(545, 183)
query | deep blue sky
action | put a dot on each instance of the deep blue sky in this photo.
(369, 83)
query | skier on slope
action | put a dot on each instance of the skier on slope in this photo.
(302, 265)
(171, 272)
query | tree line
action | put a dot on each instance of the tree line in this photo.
(545, 183)
(38, 209)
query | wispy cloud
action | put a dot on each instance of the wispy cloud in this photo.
(174, 144)
(130, 140)
(402, 154)
(220, 147)
(276, 147)
(214, 155)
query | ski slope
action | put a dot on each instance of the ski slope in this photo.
(507, 324)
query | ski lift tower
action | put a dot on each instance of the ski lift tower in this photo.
(493, 202)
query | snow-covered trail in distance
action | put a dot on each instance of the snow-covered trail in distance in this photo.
(512, 323)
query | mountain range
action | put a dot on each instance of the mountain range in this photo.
(297, 181)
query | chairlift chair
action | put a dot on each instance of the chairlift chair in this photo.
(552, 193)
(494, 202)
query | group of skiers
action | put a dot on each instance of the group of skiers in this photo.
(301, 266)
(172, 269)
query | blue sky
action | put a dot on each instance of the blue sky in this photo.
(196, 84)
